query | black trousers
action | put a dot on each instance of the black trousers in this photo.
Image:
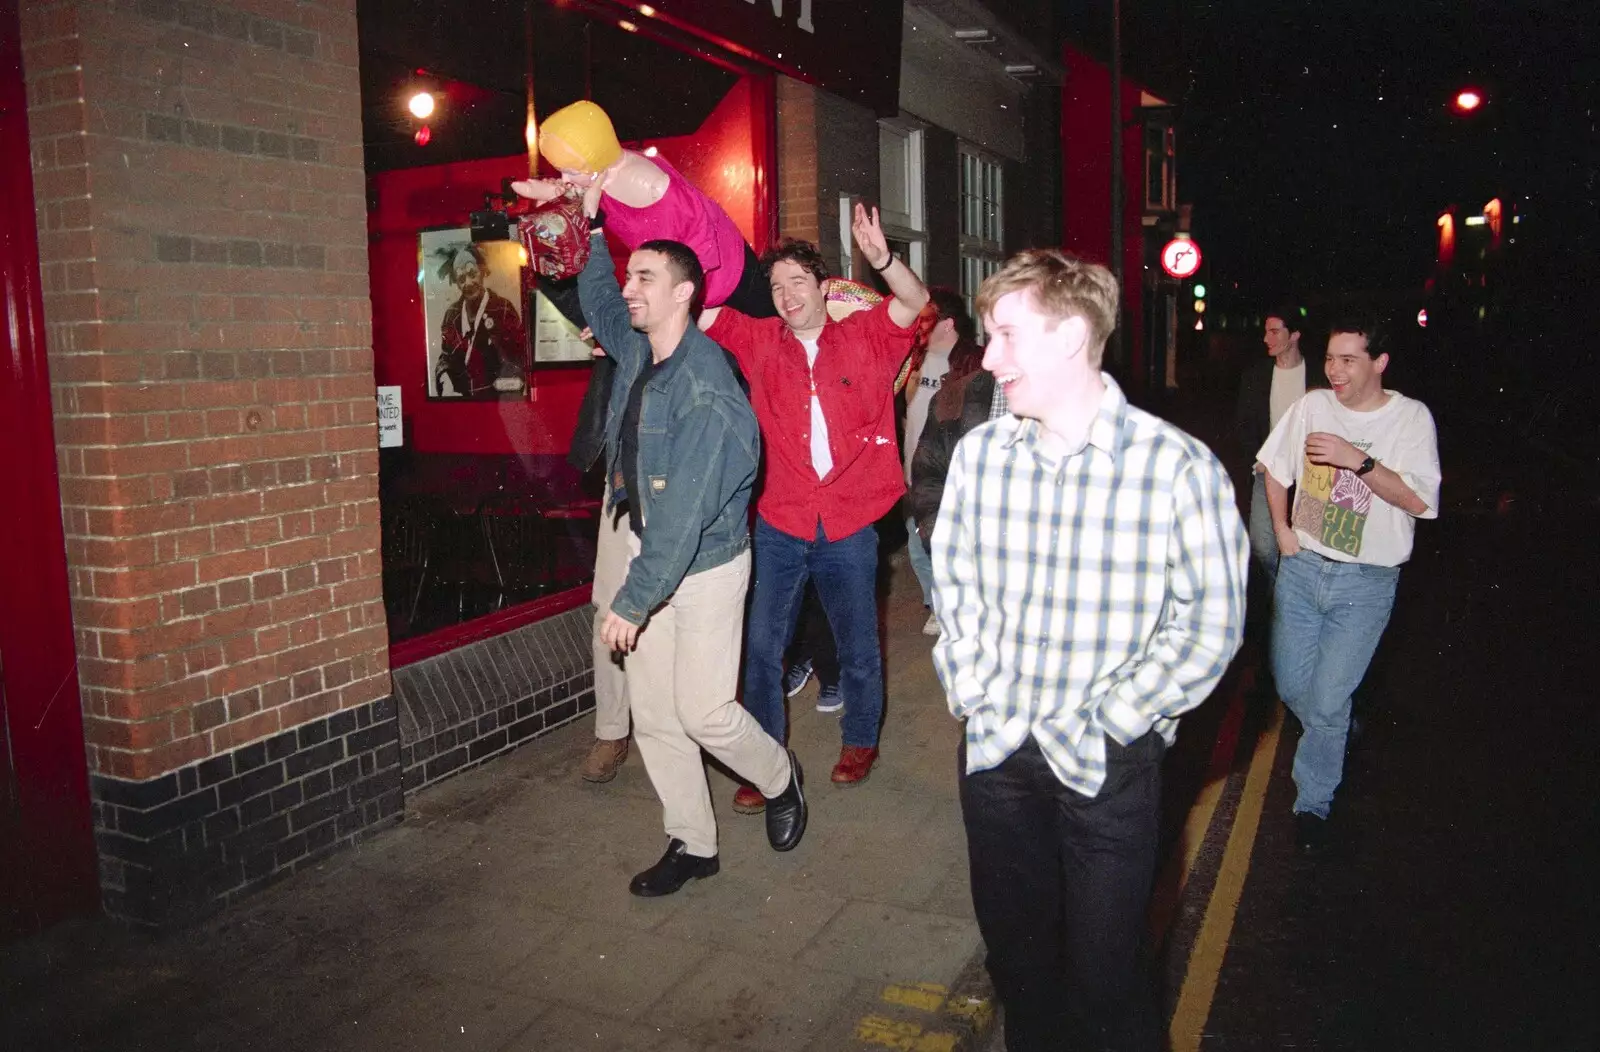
(1061, 887)
(813, 639)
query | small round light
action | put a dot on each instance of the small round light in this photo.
(423, 136)
(1422, 318)
(421, 105)
(650, 151)
(1199, 292)
(1468, 100)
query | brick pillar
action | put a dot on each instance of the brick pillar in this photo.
(797, 160)
(201, 212)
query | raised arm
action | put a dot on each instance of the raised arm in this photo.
(603, 307)
(907, 289)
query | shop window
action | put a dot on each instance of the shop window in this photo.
(479, 376)
(982, 220)
(900, 194)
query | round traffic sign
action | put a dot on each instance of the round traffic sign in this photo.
(1180, 257)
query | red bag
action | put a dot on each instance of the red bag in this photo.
(556, 236)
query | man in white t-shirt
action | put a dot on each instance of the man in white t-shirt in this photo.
(1366, 462)
(1266, 391)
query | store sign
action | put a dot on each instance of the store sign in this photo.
(389, 427)
(850, 48)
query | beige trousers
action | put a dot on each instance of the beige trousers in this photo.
(681, 681)
(610, 568)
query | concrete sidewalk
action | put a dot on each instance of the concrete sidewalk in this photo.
(497, 917)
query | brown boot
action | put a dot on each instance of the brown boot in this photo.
(605, 756)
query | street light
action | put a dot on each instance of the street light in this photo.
(421, 105)
(1467, 100)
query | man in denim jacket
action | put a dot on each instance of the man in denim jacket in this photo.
(681, 453)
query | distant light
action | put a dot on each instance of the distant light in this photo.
(650, 151)
(1199, 292)
(1422, 318)
(627, 27)
(1199, 325)
(1199, 306)
(1468, 100)
(1515, 220)
(1475, 221)
(423, 136)
(647, 11)
(421, 105)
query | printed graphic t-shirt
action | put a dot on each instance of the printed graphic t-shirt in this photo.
(934, 365)
(1335, 514)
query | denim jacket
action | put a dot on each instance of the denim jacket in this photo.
(698, 446)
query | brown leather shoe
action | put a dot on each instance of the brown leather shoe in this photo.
(855, 763)
(605, 756)
(748, 801)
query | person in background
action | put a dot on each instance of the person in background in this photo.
(1266, 391)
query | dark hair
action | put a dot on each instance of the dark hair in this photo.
(802, 253)
(1290, 316)
(683, 264)
(949, 304)
(1360, 324)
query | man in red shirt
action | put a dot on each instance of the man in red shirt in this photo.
(823, 394)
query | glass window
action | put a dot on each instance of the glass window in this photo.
(480, 375)
(982, 221)
(900, 168)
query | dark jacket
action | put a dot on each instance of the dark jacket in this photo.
(1253, 413)
(961, 405)
(698, 446)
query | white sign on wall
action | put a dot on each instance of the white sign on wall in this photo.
(389, 429)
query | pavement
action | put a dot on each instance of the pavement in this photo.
(497, 918)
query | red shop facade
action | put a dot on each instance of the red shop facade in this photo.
(238, 630)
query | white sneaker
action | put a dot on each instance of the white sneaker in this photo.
(930, 627)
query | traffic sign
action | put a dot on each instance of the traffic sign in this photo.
(1180, 257)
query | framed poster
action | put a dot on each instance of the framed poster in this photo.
(476, 338)
(556, 340)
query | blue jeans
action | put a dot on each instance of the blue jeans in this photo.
(845, 572)
(1327, 619)
(1263, 542)
(921, 564)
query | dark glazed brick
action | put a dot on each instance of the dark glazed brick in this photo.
(297, 43)
(524, 728)
(231, 24)
(170, 249)
(195, 16)
(159, 10)
(210, 251)
(307, 149)
(188, 781)
(258, 781)
(168, 817)
(141, 795)
(199, 133)
(250, 757)
(385, 708)
(325, 755)
(272, 144)
(312, 733)
(290, 796)
(561, 713)
(222, 825)
(311, 257)
(280, 745)
(244, 253)
(266, 34)
(309, 814)
(370, 739)
(318, 784)
(238, 140)
(162, 128)
(278, 254)
(342, 723)
(215, 769)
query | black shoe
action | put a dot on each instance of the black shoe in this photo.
(676, 868)
(1310, 833)
(786, 812)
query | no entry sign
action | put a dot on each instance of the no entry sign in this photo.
(1180, 257)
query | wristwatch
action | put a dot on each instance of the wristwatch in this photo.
(1366, 466)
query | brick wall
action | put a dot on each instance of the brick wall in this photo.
(797, 159)
(201, 212)
(826, 147)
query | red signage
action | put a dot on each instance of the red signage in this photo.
(1180, 257)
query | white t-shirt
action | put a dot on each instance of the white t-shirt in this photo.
(1287, 387)
(934, 366)
(821, 455)
(1335, 513)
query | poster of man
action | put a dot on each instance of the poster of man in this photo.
(477, 342)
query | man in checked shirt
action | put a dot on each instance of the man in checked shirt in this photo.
(1089, 567)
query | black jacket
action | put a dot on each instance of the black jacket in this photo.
(931, 461)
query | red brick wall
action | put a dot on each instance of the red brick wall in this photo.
(797, 160)
(201, 214)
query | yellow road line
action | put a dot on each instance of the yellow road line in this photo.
(1205, 960)
(926, 997)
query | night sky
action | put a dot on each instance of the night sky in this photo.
(1318, 143)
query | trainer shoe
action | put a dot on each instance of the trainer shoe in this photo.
(828, 699)
(795, 679)
(930, 627)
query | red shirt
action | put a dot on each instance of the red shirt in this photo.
(857, 361)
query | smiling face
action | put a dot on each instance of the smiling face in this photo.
(468, 275)
(650, 292)
(1037, 360)
(798, 297)
(1276, 336)
(1356, 377)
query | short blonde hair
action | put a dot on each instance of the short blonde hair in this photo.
(1062, 286)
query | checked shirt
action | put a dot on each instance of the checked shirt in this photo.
(1100, 594)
